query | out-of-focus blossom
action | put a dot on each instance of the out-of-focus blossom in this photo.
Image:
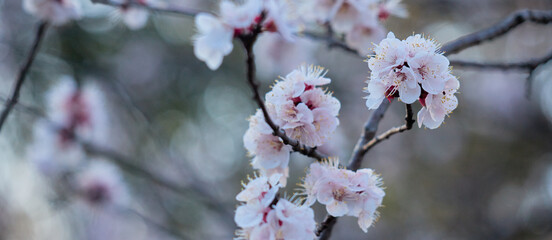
(134, 17)
(264, 216)
(72, 113)
(358, 20)
(306, 113)
(276, 55)
(215, 34)
(271, 154)
(391, 8)
(344, 192)
(57, 12)
(410, 70)
(363, 35)
(101, 184)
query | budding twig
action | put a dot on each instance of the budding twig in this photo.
(16, 89)
(248, 41)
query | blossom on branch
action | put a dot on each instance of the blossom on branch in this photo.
(57, 12)
(304, 111)
(412, 69)
(215, 33)
(271, 154)
(265, 216)
(344, 192)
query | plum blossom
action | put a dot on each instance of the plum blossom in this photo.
(344, 192)
(215, 33)
(271, 154)
(437, 106)
(305, 112)
(101, 184)
(410, 70)
(57, 12)
(265, 216)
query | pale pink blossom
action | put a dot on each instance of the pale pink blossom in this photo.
(409, 70)
(57, 12)
(213, 40)
(271, 154)
(437, 106)
(305, 112)
(279, 19)
(344, 192)
(283, 220)
(262, 189)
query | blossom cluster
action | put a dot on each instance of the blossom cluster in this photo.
(73, 115)
(215, 33)
(344, 192)
(358, 20)
(263, 215)
(302, 109)
(413, 69)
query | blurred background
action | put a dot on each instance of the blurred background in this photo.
(485, 174)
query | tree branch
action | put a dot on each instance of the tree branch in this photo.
(16, 89)
(499, 29)
(248, 41)
(409, 119)
(530, 64)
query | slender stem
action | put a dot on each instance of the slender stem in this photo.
(16, 89)
(409, 119)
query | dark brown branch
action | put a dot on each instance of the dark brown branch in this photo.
(248, 41)
(16, 89)
(167, 8)
(499, 29)
(530, 64)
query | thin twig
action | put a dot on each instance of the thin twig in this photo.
(409, 119)
(14, 96)
(524, 65)
(248, 41)
(499, 29)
